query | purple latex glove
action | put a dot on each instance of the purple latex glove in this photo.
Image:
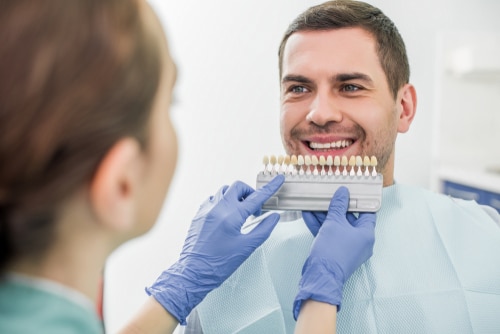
(342, 243)
(215, 246)
(314, 219)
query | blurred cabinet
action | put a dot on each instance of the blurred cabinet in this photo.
(471, 193)
(466, 127)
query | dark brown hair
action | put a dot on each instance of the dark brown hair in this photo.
(76, 76)
(350, 13)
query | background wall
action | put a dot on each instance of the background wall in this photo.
(227, 111)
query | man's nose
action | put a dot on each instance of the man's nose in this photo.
(324, 109)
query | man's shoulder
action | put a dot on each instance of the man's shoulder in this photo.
(412, 194)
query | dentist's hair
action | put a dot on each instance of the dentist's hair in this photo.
(340, 14)
(76, 77)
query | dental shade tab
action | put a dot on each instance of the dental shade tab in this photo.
(311, 181)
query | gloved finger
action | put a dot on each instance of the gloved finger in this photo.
(263, 230)
(255, 200)
(210, 202)
(313, 222)
(351, 218)
(238, 191)
(257, 213)
(365, 220)
(218, 195)
(339, 203)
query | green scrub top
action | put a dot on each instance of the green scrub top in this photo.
(29, 305)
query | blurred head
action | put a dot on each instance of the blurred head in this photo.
(344, 84)
(85, 90)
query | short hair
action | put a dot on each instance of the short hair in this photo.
(340, 14)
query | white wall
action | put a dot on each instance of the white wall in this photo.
(227, 111)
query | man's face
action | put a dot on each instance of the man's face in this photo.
(335, 99)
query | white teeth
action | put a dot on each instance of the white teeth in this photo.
(319, 145)
(335, 144)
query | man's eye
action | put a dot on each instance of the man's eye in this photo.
(298, 89)
(350, 88)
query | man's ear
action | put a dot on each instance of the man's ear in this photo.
(113, 190)
(407, 99)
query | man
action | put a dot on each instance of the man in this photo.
(436, 262)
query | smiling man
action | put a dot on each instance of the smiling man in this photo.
(341, 105)
(435, 267)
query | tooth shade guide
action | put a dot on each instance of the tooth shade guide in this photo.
(329, 163)
(273, 159)
(308, 162)
(314, 192)
(293, 164)
(373, 163)
(300, 163)
(315, 163)
(265, 162)
(336, 163)
(343, 163)
(300, 160)
(367, 164)
(359, 164)
(352, 163)
(272, 163)
(279, 164)
(285, 167)
(322, 163)
(354, 166)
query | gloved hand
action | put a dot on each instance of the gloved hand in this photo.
(215, 246)
(342, 243)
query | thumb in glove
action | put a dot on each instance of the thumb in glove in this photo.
(215, 247)
(343, 242)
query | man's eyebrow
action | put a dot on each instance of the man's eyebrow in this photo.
(342, 77)
(352, 76)
(295, 78)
